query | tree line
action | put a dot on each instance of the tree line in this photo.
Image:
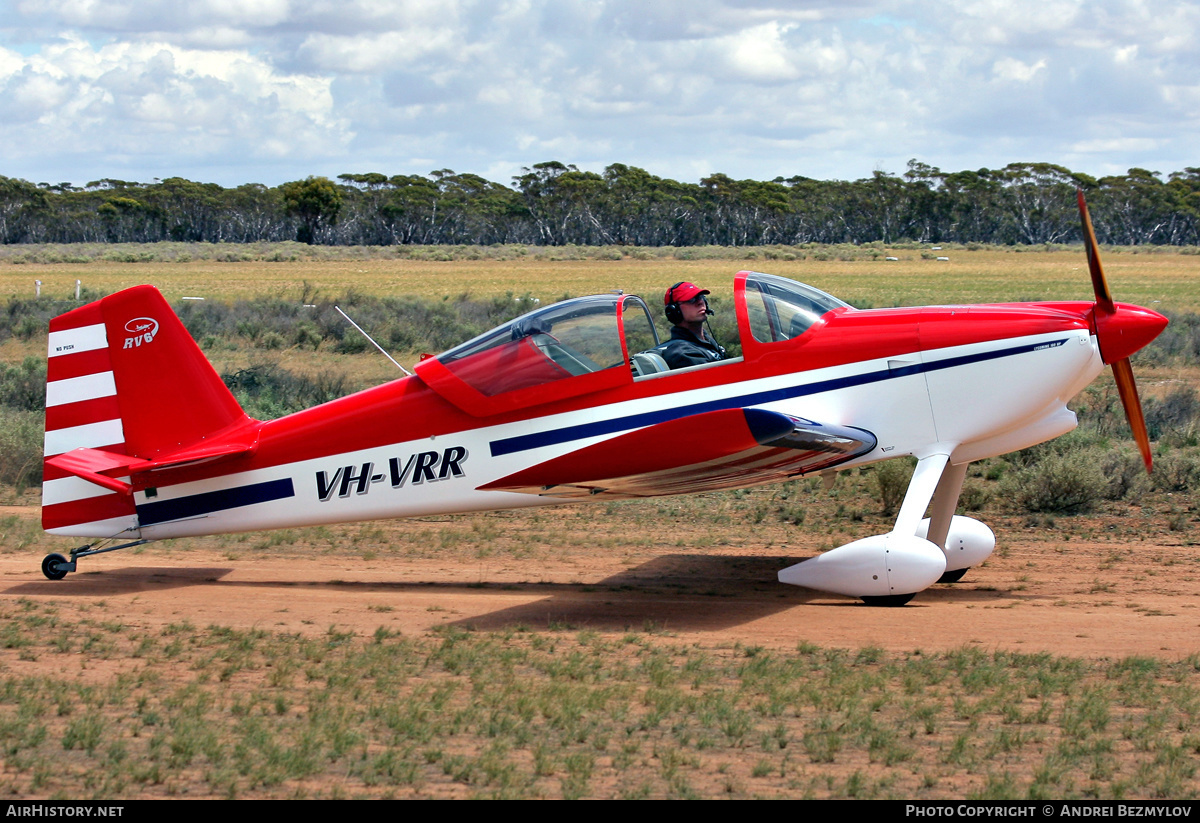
(553, 203)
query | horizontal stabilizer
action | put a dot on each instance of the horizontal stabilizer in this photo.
(104, 467)
(91, 465)
(702, 452)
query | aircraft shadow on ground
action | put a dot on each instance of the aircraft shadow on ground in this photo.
(128, 580)
(687, 593)
(679, 592)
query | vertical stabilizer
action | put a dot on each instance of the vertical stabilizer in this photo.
(124, 378)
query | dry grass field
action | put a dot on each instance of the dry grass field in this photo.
(1146, 277)
(636, 649)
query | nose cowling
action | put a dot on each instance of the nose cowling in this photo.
(1126, 330)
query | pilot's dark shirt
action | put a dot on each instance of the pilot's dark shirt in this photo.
(685, 349)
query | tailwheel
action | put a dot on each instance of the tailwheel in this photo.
(953, 576)
(54, 566)
(888, 600)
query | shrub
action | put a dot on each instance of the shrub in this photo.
(1174, 419)
(24, 386)
(1125, 475)
(267, 391)
(1068, 483)
(891, 479)
(1176, 472)
(974, 496)
(21, 448)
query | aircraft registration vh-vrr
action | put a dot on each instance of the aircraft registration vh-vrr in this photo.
(570, 402)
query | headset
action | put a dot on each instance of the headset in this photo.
(672, 310)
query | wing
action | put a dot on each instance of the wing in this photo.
(702, 452)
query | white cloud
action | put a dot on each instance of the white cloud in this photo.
(760, 54)
(753, 88)
(1006, 68)
(127, 99)
(150, 15)
(1117, 145)
(374, 52)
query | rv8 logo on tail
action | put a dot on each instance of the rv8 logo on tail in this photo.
(140, 330)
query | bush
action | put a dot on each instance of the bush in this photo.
(1176, 418)
(891, 479)
(1176, 472)
(1125, 475)
(21, 448)
(974, 496)
(1068, 483)
(24, 387)
(267, 391)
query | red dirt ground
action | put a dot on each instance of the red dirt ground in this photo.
(1082, 599)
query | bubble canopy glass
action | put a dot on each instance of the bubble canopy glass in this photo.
(585, 344)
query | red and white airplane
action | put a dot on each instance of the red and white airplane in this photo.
(570, 403)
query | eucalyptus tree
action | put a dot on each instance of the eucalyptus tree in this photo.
(253, 212)
(559, 199)
(20, 201)
(641, 209)
(1040, 198)
(316, 201)
(743, 212)
(1185, 194)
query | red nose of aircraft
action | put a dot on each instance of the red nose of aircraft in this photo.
(1126, 330)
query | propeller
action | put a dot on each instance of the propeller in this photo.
(1121, 330)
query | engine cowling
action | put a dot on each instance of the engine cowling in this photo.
(968, 543)
(884, 565)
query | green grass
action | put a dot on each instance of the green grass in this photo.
(232, 713)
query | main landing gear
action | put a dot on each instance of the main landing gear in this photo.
(887, 600)
(953, 576)
(56, 567)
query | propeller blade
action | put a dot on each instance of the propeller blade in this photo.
(1104, 300)
(1127, 388)
(1115, 331)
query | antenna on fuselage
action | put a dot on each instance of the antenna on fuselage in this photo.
(373, 343)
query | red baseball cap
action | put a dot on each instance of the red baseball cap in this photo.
(682, 293)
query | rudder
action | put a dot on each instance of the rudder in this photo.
(123, 378)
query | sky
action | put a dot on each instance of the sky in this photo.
(267, 91)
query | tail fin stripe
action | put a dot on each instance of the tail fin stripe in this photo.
(76, 414)
(67, 489)
(79, 339)
(77, 365)
(104, 507)
(76, 389)
(88, 436)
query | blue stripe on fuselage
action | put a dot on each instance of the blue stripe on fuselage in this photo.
(524, 442)
(197, 505)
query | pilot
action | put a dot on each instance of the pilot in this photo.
(690, 344)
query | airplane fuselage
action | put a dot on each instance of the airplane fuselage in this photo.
(974, 381)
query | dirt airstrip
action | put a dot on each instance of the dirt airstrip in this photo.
(1093, 599)
(687, 580)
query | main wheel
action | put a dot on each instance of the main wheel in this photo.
(888, 600)
(953, 576)
(51, 567)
